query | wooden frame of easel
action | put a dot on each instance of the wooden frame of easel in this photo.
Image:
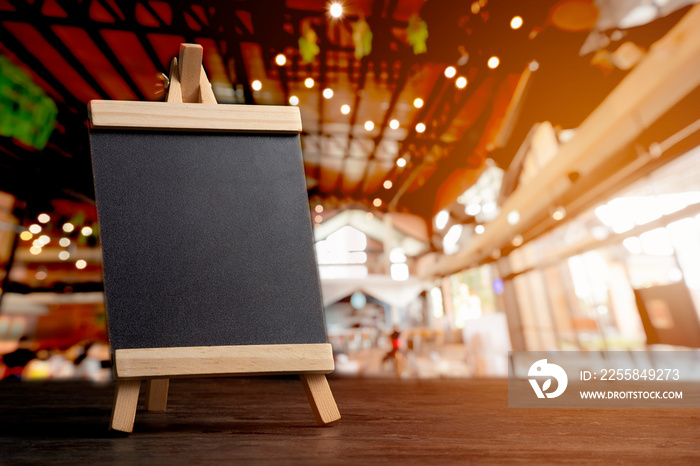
(189, 85)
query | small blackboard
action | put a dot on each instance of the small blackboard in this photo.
(206, 239)
(207, 243)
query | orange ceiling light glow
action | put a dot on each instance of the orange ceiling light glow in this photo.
(336, 9)
(516, 22)
(450, 72)
(493, 62)
(461, 82)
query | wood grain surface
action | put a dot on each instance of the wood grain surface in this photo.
(114, 114)
(318, 392)
(126, 397)
(224, 360)
(266, 421)
(157, 394)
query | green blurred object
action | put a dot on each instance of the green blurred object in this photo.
(362, 37)
(26, 112)
(308, 44)
(417, 34)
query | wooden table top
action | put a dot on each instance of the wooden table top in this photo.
(268, 421)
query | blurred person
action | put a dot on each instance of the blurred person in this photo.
(88, 366)
(38, 368)
(394, 352)
(60, 367)
(410, 353)
(16, 360)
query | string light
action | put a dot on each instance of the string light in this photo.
(472, 209)
(516, 22)
(35, 250)
(479, 229)
(494, 62)
(369, 125)
(388, 184)
(44, 240)
(461, 82)
(26, 236)
(80, 264)
(336, 10)
(318, 218)
(86, 231)
(420, 128)
(418, 102)
(294, 100)
(450, 72)
(280, 59)
(64, 255)
(318, 208)
(328, 93)
(43, 218)
(34, 228)
(345, 109)
(559, 213)
(68, 227)
(513, 217)
(517, 241)
(394, 124)
(401, 162)
(441, 219)
(257, 85)
(65, 242)
(377, 202)
(309, 82)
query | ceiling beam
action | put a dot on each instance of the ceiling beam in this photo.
(81, 12)
(44, 28)
(667, 75)
(16, 47)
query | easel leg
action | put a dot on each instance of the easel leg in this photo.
(157, 394)
(126, 397)
(320, 398)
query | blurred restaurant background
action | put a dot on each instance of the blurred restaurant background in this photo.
(483, 176)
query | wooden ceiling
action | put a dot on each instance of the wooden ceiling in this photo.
(79, 50)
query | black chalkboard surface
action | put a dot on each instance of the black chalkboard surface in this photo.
(206, 239)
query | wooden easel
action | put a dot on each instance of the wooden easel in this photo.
(189, 84)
